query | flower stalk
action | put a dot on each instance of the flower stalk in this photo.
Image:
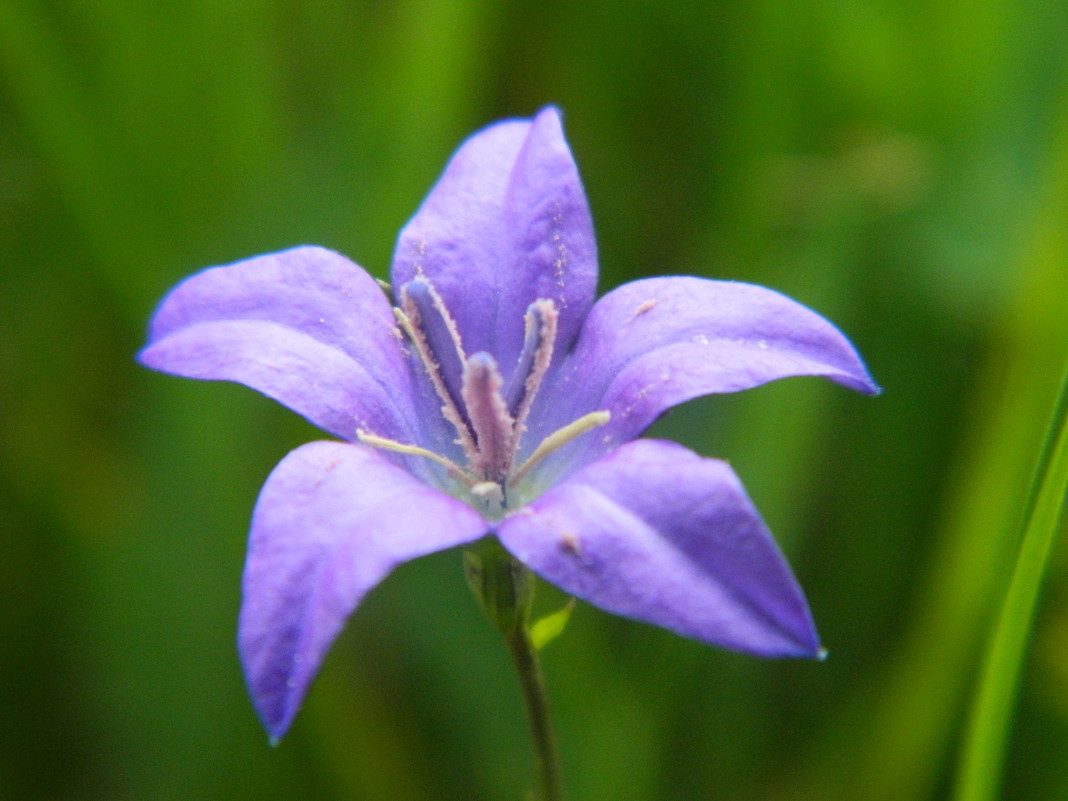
(525, 657)
(505, 591)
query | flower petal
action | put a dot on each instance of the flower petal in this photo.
(306, 327)
(507, 224)
(331, 522)
(656, 533)
(652, 344)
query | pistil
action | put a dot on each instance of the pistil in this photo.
(489, 418)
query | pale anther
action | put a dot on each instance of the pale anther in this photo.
(540, 340)
(432, 323)
(433, 335)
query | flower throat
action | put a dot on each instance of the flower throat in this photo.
(489, 414)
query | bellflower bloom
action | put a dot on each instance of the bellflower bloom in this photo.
(497, 398)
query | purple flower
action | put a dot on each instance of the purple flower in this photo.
(497, 398)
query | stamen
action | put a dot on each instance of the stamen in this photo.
(559, 439)
(433, 333)
(534, 360)
(375, 441)
(531, 337)
(489, 417)
(427, 312)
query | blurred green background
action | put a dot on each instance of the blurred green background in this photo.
(900, 166)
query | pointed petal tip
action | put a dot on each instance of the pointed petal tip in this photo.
(139, 357)
(550, 112)
(854, 374)
(865, 385)
(805, 637)
(275, 709)
(278, 728)
(858, 382)
(812, 650)
(276, 722)
(797, 641)
(149, 357)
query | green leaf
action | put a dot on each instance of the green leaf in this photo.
(546, 629)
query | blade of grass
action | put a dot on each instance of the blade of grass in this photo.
(990, 723)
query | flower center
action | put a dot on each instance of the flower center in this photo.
(489, 414)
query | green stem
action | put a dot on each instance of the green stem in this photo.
(537, 702)
(505, 590)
